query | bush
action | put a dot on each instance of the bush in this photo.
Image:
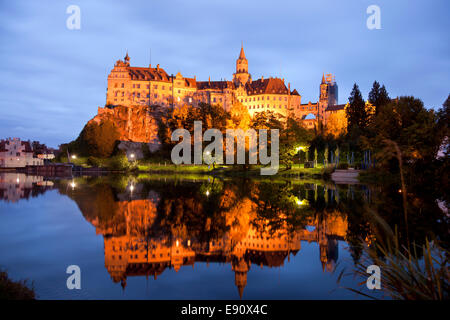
(327, 171)
(343, 166)
(11, 290)
(309, 164)
(119, 162)
(95, 162)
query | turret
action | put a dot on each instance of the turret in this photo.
(241, 76)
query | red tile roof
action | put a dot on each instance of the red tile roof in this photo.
(214, 85)
(336, 107)
(146, 74)
(266, 86)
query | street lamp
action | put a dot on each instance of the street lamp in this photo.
(74, 156)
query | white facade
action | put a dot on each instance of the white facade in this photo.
(15, 153)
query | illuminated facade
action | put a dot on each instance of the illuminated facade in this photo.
(15, 153)
(131, 86)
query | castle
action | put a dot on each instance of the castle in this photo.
(129, 86)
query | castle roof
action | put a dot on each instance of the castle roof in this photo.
(242, 54)
(202, 85)
(139, 73)
(265, 86)
(295, 93)
(336, 107)
(26, 144)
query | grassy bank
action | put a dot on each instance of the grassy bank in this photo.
(161, 166)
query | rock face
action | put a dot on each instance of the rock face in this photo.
(134, 124)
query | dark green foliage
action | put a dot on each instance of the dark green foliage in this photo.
(11, 290)
(378, 96)
(357, 116)
(96, 139)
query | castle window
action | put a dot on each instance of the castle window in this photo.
(138, 95)
(148, 86)
(133, 85)
(123, 93)
(138, 86)
(148, 95)
(163, 87)
(262, 98)
(155, 86)
(115, 85)
(156, 95)
(179, 91)
(123, 85)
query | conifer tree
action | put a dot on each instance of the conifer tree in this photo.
(378, 96)
(356, 110)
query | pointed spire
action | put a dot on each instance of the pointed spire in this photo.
(242, 54)
(323, 78)
(127, 57)
(241, 291)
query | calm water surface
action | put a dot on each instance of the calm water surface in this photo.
(156, 237)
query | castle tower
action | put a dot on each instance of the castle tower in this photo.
(127, 59)
(240, 268)
(323, 99)
(241, 76)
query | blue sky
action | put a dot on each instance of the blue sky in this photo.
(53, 78)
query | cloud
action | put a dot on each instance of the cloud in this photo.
(54, 78)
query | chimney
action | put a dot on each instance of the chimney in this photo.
(157, 67)
(262, 78)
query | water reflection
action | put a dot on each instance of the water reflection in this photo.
(16, 186)
(151, 224)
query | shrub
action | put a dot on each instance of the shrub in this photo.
(11, 290)
(119, 162)
(95, 162)
(309, 164)
(343, 166)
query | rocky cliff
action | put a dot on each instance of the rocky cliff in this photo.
(134, 124)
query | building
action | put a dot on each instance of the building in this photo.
(15, 153)
(129, 86)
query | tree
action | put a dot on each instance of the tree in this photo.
(378, 96)
(97, 139)
(337, 124)
(410, 125)
(239, 117)
(356, 110)
(291, 138)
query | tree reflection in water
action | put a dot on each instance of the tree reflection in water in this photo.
(152, 224)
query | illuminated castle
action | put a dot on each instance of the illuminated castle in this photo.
(129, 86)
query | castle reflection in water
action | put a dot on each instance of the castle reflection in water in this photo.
(149, 228)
